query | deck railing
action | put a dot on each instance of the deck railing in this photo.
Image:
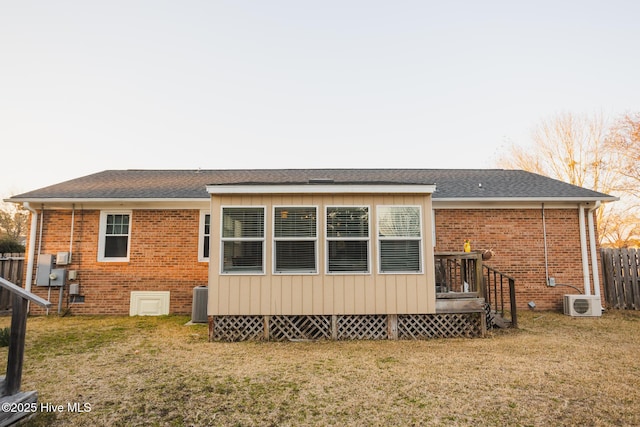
(466, 272)
(459, 272)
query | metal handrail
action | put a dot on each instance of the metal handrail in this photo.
(494, 293)
(24, 294)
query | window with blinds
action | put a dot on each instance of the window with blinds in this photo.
(399, 239)
(347, 239)
(242, 240)
(295, 239)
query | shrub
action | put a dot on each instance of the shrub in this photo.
(5, 337)
(9, 245)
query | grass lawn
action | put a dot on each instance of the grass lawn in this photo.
(155, 371)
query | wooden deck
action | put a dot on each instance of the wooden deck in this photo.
(17, 404)
(459, 302)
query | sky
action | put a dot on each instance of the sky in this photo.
(138, 84)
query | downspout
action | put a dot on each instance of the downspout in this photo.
(40, 251)
(33, 229)
(592, 244)
(546, 256)
(73, 215)
(583, 250)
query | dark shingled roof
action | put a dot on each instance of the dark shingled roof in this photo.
(191, 184)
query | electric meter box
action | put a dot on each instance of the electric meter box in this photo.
(45, 262)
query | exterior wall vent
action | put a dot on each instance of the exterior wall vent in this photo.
(149, 303)
(320, 180)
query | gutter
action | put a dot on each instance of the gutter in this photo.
(559, 199)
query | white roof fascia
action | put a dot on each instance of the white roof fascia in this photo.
(514, 202)
(321, 188)
(104, 203)
(526, 199)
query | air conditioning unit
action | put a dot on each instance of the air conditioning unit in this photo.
(582, 305)
(199, 307)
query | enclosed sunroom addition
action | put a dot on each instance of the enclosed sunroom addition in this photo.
(308, 261)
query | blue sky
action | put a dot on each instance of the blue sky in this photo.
(87, 86)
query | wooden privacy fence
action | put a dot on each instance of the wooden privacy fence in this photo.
(621, 276)
(11, 269)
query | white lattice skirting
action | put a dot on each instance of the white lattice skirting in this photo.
(346, 327)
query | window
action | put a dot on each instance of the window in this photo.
(205, 236)
(348, 239)
(295, 237)
(115, 228)
(242, 240)
(400, 239)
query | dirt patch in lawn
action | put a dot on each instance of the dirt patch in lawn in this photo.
(130, 371)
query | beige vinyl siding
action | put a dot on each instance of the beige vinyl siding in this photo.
(321, 293)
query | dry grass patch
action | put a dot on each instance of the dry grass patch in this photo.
(554, 370)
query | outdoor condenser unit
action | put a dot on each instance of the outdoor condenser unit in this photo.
(582, 305)
(199, 307)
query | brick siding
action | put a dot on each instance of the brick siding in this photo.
(163, 257)
(516, 236)
(164, 254)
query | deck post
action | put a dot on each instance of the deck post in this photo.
(267, 331)
(334, 327)
(512, 301)
(212, 325)
(392, 326)
(479, 276)
(16, 345)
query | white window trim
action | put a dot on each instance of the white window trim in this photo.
(328, 239)
(421, 239)
(274, 239)
(262, 239)
(103, 235)
(201, 235)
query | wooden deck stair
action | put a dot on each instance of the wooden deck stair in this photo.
(495, 320)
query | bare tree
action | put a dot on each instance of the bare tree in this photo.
(620, 231)
(13, 222)
(569, 148)
(578, 150)
(625, 141)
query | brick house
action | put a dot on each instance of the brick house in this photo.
(136, 240)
